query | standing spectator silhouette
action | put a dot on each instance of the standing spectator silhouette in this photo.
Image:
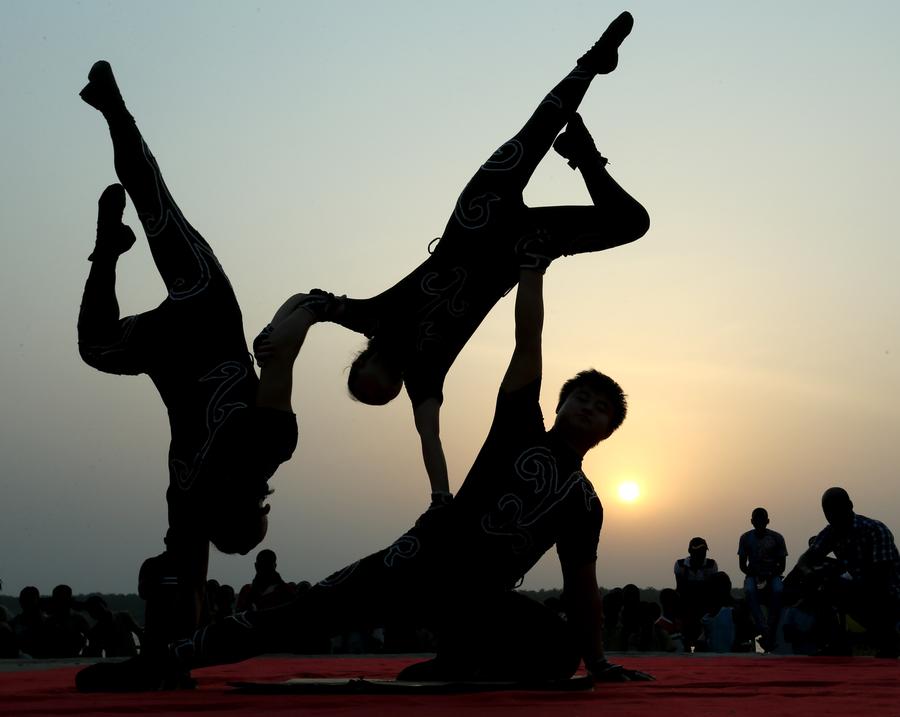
(761, 557)
(693, 580)
(268, 589)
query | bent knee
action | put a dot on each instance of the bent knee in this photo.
(640, 221)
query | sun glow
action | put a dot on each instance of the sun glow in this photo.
(629, 491)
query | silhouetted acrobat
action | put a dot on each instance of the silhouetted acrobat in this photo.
(229, 429)
(418, 327)
(455, 571)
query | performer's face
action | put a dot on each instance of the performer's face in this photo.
(585, 414)
(373, 383)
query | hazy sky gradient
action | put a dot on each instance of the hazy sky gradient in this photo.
(754, 328)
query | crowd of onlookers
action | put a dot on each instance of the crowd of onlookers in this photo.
(816, 609)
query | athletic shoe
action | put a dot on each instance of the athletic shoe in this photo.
(603, 57)
(113, 237)
(101, 92)
(576, 144)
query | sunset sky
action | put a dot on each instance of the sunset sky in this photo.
(754, 328)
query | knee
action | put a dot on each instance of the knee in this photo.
(640, 221)
(750, 586)
(777, 586)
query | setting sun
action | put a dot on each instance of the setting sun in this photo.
(629, 491)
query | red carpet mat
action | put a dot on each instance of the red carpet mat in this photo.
(750, 686)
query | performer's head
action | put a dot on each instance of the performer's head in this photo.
(237, 523)
(591, 406)
(375, 377)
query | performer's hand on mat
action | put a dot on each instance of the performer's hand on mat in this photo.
(605, 671)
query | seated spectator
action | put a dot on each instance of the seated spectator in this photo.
(268, 589)
(30, 625)
(667, 629)
(112, 634)
(869, 589)
(636, 623)
(719, 633)
(693, 581)
(9, 648)
(612, 629)
(761, 557)
(224, 603)
(66, 629)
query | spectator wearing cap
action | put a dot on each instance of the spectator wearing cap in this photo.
(761, 557)
(694, 583)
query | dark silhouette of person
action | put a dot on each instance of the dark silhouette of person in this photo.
(612, 611)
(525, 493)
(632, 618)
(229, 429)
(668, 626)
(719, 629)
(165, 596)
(761, 557)
(869, 589)
(268, 588)
(112, 634)
(417, 327)
(224, 603)
(9, 647)
(30, 625)
(66, 629)
(456, 568)
(694, 583)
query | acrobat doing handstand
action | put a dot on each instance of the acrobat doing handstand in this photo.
(417, 328)
(229, 429)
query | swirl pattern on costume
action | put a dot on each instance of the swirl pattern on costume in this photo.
(552, 99)
(155, 223)
(507, 157)
(228, 375)
(97, 352)
(477, 211)
(590, 495)
(404, 548)
(517, 512)
(338, 577)
(579, 73)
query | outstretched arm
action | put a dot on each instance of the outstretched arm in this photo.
(427, 417)
(525, 364)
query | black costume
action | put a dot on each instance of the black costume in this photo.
(424, 321)
(455, 570)
(192, 347)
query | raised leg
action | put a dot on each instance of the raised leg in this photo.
(184, 259)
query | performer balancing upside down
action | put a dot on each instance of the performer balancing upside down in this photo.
(230, 430)
(456, 569)
(417, 327)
